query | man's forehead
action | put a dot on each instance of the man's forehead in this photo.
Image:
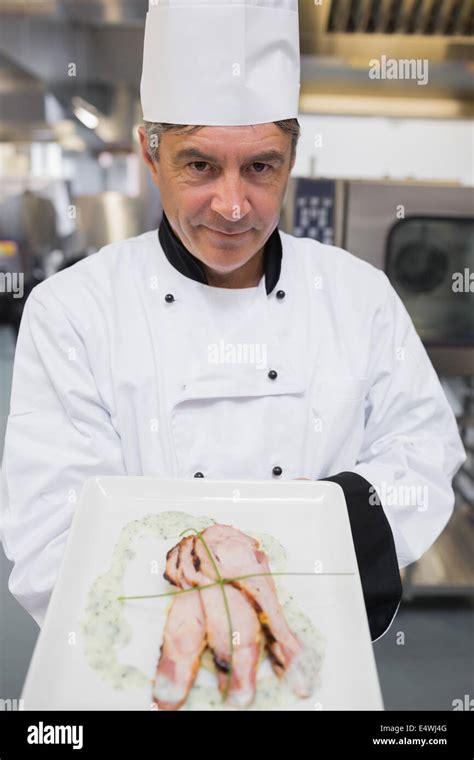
(240, 132)
(225, 143)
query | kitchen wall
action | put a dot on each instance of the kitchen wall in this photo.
(371, 147)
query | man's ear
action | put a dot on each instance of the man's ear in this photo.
(146, 154)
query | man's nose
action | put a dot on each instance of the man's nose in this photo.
(230, 198)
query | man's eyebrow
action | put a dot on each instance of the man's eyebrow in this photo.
(198, 155)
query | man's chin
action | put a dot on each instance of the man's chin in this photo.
(224, 256)
(224, 263)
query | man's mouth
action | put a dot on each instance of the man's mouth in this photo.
(228, 234)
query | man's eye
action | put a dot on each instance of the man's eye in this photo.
(260, 168)
(198, 166)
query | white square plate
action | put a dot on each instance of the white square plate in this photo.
(96, 652)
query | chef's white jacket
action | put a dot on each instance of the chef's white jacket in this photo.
(125, 366)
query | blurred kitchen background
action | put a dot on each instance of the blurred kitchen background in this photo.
(384, 169)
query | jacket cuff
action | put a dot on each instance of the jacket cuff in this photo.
(375, 551)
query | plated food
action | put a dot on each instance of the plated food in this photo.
(226, 602)
(112, 594)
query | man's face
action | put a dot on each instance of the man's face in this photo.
(221, 180)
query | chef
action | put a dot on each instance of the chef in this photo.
(218, 346)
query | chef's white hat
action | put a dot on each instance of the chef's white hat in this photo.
(221, 62)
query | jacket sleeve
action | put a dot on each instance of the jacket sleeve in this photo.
(411, 447)
(375, 552)
(399, 493)
(58, 435)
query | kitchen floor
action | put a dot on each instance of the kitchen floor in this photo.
(425, 661)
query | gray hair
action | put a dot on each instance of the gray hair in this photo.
(154, 130)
